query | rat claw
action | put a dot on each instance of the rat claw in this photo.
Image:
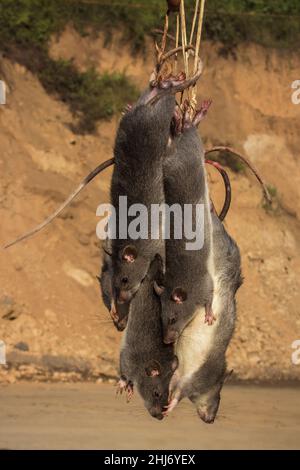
(128, 108)
(170, 407)
(121, 386)
(113, 313)
(201, 113)
(129, 390)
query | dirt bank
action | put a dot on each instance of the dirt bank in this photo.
(49, 299)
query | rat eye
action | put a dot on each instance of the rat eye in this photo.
(172, 320)
(156, 394)
(124, 280)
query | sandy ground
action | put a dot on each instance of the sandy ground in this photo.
(89, 416)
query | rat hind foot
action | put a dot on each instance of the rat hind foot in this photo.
(202, 112)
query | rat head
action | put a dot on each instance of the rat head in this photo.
(154, 385)
(208, 401)
(178, 308)
(130, 269)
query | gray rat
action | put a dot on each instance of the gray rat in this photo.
(140, 147)
(188, 282)
(201, 349)
(105, 279)
(145, 361)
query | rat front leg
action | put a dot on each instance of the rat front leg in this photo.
(175, 392)
(174, 382)
(209, 316)
(129, 391)
(125, 383)
(173, 402)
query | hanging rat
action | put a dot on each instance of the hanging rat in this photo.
(140, 150)
(105, 279)
(188, 282)
(145, 361)
(201, 349)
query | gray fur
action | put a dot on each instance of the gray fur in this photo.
(139, 151)
(143, 349)
(204, 385)
(185, 183)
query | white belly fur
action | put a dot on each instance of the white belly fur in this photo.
(197, 339)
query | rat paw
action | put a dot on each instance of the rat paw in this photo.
(171, 81)
(202, 112)
(127, 109)
(126, 386)
(121, 386)
(129, 391)
(170, 407)
(209, 316)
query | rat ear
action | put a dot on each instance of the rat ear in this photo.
(153, 369)
(175, 363)
(179, 295)
(227, 375)
(129, 254)
(158, 289)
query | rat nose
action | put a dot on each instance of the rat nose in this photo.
(204, 415)
(124, 296)
(156, 413)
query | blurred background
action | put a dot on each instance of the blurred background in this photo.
(70, 67)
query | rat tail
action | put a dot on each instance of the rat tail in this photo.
(72, 196)
(247, 162)
(227, 185)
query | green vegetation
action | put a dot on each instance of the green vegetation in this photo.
(27, 25)
(25, 29)
(91, 97)
(272, 23)
(273, 206)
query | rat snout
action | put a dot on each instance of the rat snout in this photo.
(205, 416)
(124, 296)
(156, 412)
(121, 324)
(170, 336)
